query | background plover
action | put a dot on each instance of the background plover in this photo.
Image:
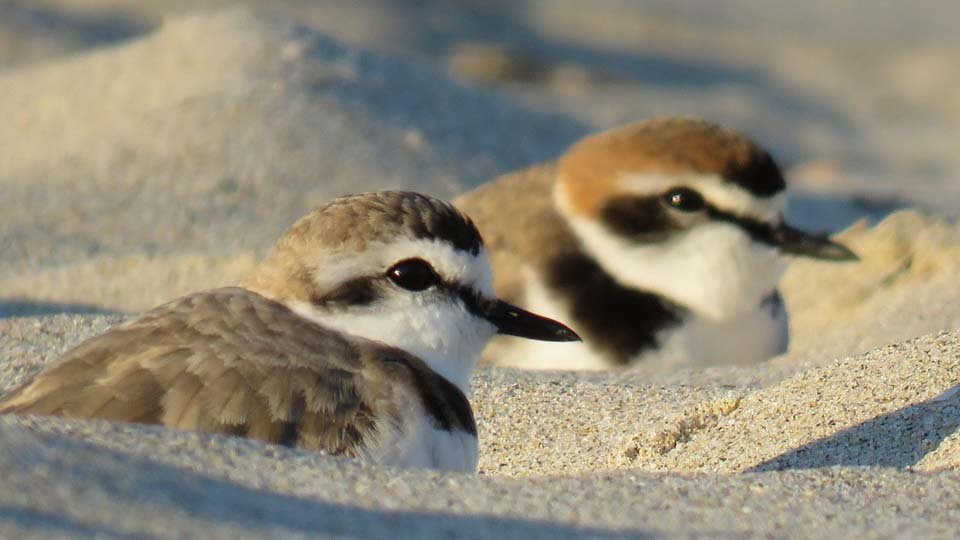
(663, 238)
(357, 335)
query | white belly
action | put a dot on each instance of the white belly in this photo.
(424, 446)
(752, 338)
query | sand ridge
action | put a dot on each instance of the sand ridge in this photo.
(124, 478)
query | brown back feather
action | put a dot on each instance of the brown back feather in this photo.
(228, 361)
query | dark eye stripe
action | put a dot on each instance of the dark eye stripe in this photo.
(758, 231)
(359, 291)
(363, 291)
(645, 219)
(472, 299)
(641, 219)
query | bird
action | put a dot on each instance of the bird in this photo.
(660, 242)
(356, 335)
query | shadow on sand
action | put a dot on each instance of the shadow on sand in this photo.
(212, 504)
(831, 213)
(86, 28)
(23, 307)
(897, 439)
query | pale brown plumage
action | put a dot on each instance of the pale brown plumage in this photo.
(517, 214)
(231, 361)
(541, 263)
(325, 348)
(187, 364)
(351, 225)
(522, 230)
(239, 361)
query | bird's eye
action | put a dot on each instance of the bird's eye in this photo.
(684, 199)
(413, 275)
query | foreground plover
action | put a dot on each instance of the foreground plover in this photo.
(663, 238)
(357, 335)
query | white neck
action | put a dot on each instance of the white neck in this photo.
(444, 335)
(715, 269)
(433, 325)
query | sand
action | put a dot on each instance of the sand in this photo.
(145, 159)
(861, 447)
(164, 147)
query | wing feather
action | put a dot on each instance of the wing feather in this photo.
(180, 400)
(133, 393)
(234, 397)
(227, 361)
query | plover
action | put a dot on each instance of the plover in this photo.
(659, 241)
(356, 335)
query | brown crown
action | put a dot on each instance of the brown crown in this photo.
(354, 223)
(591, 167)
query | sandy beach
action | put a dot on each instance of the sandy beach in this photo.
(158, 149)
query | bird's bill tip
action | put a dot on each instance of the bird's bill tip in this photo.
(513, 321)
(793, 241)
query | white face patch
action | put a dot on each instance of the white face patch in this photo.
(433, 324)
(714, 269)
(452, 265)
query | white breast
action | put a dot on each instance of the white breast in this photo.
(750, 337)
(754, 337)
(422, 445)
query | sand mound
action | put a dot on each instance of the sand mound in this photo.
(137, 283)
(898, 406)
(889, 407)
(903, 287)
(184, 138)
(214, 487)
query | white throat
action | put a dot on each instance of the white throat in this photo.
(715, 269)
(436, 328)
(444, 335)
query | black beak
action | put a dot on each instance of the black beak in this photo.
(513, 321)
(796, 242)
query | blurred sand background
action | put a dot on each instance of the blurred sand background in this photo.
(149, 149)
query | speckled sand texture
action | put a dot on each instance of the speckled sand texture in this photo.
(838, 451)
(169, 160)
